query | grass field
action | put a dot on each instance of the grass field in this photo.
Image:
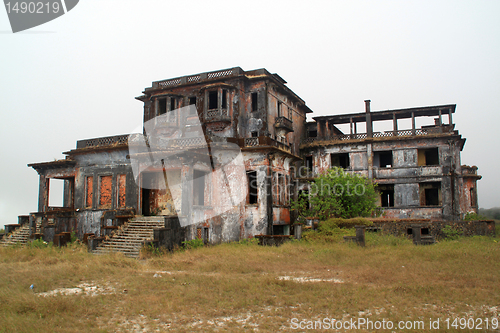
(244, 287)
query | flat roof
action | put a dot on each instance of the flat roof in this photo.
(426, 111)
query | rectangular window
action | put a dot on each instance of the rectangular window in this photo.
(173, 103)
(212, 100)
(280, 109)
(162, 104)
(192, 101)
(473, 199)
(255, 105)
(224, 99)
(255, 134)
(340, 160)
(275, 188)
(105, 190)
(429, 156)
(252, 187)
(281, 189)
(309, 163)
(198, 188)
(89, 191)
(382, 159)
(122, 193)
(430, 194)
(386, 195)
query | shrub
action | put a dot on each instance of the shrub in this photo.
(337, 193)
(475, 217)
(451, 233)
(39, 244)
(193, 243)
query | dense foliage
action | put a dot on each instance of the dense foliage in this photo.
(337, 193)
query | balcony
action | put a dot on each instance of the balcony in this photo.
(217, 115)
(284, 123)
(264, 141)
(386, 134)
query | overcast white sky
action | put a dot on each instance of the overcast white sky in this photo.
(76, 77)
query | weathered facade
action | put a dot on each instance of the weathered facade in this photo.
(254, 118)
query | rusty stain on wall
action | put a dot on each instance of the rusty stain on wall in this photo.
(105, 186)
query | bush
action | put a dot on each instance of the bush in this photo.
(334, 229)
(348, 223)
(337, 193)
(193, 243)
(39, 244)
(451, 233)
(475, 217)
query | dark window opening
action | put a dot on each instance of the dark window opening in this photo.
(409, 231)
(280, 107)
(198, 188)
(255, 134)
(173, 103)
(278, 229)
(313, 134)
(431, 197)
(212, 100)
(224, 99)
(386, 195)
(424, 231)
(428, 156)
(309, 162)
(473, 201)
(252, 187)
(162, 104)
(383, 159)
(340, 160)
(192, 101)
(430, 194)
(255, 106)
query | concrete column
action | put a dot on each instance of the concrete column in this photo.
(350, 126)
(450, 120)
(43, 193)
(416, 233)
(394, 122)
(369, 154)
(369, 125)
(187, 190)
(413, 122)
(297, 231)
(440, 118)
(360, 235)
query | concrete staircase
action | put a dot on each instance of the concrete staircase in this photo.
(18, 236)
(131, 236)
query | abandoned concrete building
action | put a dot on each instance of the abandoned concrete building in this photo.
(227, 164)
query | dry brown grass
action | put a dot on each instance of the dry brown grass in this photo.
(235, 287)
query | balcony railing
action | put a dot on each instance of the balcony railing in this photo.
(264, 141)
(386, 134)
(285, 123)
(216, 115)
(202, 77)
(104, 141)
